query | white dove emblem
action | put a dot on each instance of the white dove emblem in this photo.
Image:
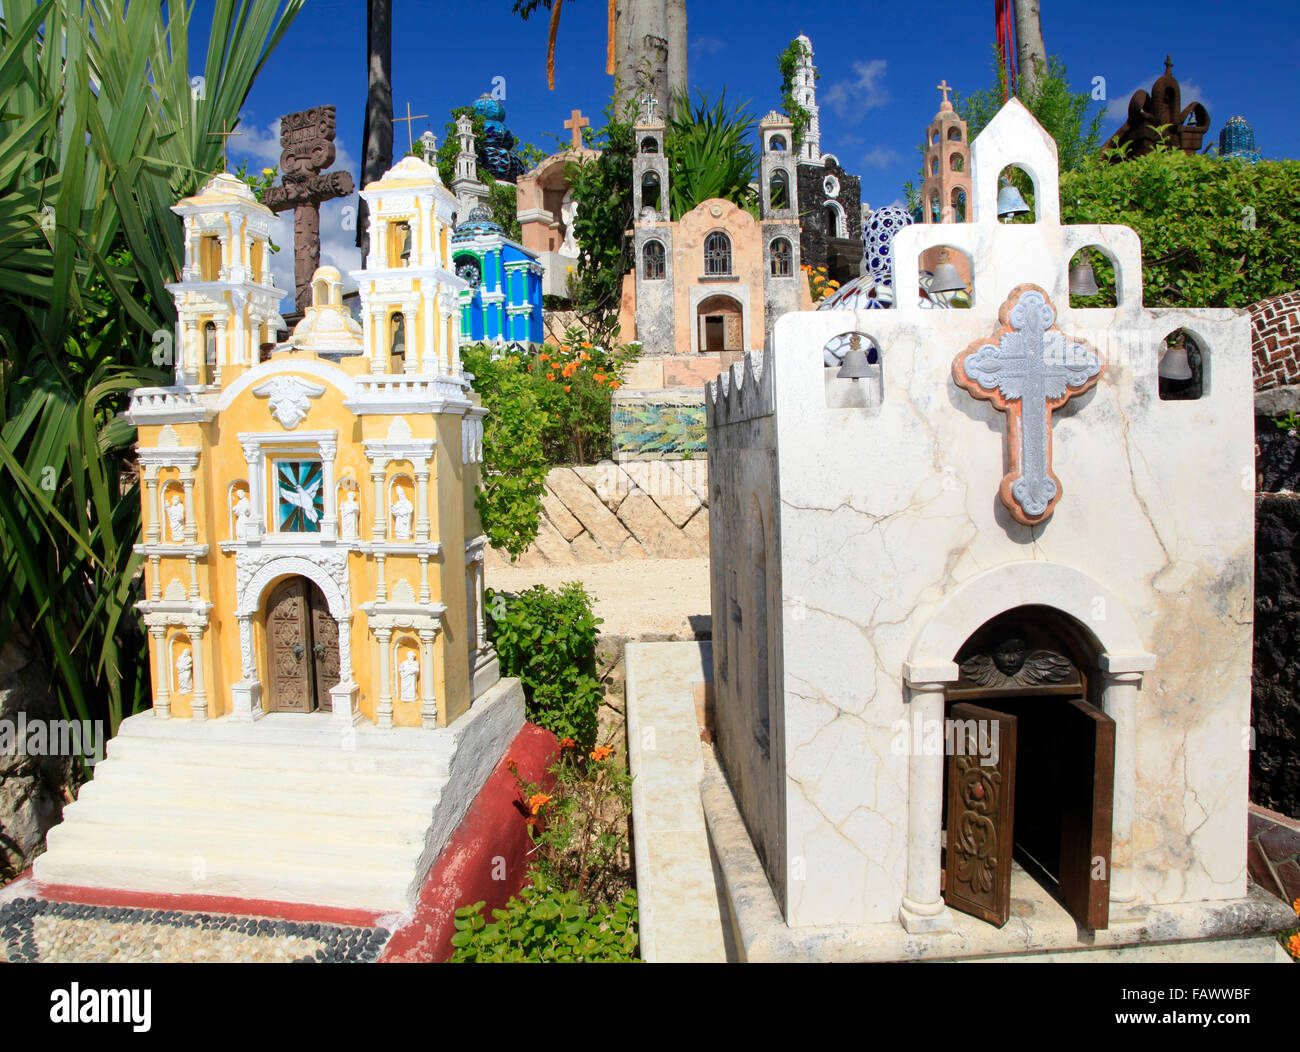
(303, 498)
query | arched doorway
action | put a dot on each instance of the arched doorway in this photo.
(302, 644)
(1029, 774)
(722, 325)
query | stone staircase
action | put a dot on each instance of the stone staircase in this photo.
(290, 808)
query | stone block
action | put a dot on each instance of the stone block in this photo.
(607, 481)
(692, 371)
(645, 375)
(585, 550)
(560, 516)
(697, 530)
(1279, 842)
(600, 522)
(665, 487)
(654, 529)
(551, 543)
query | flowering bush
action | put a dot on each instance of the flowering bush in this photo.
(574, 384)
(819, 283)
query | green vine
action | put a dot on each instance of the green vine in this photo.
(788, 62)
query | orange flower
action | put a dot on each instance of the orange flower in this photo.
(1296, 905)
(586, 357)
(1293, 946)
(543, 357)
(511, 764)
(537, 801)
(565, 348)
(614, 385)
(600, 378)
(567, 388)
(586, 343)
(550, 376)
(567, 743)
(601, 752)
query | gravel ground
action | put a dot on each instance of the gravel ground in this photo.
(636, 597)
(65, 932)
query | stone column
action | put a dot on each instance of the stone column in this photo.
(329, 524)
(480, 626)
(379, 531)
(421, 499)
(162, 700)
(923, 908)
(223, 335)
(256, 492)
(199, 699)
(246, 695)
(428, 707)
(1119, 701)
(381, 585)
(384, 712)
(153, 531)
(424, 576)
(193, 560)
(155, 589)
(191, 533)
(429, 360)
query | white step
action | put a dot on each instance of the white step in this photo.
(122, 841)
(141, 787)
(188, 814)
(357, 887)
(199, 778)
(280, 757)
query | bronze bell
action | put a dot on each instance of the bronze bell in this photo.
(1083, 282)
(406, 244)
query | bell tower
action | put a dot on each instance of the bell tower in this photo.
(945, 191)
(226, 305)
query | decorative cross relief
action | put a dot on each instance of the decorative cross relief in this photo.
(1028, 370)
(290, 398)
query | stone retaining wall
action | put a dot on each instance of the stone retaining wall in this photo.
(643, 509)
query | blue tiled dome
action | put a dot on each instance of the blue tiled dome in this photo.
(489, 109)
(480, 221)
(1236, 139)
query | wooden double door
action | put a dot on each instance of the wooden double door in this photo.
(303, 648)
(1031, 775)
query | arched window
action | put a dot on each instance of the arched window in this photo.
(934, 209)
(652, 261)
(650, 190)
(779, 190)
(958, 205)
(717, 253)
(781, 258)
(956, 163)
(832, 220)
(777, 142)
(934, 166)
(954, 134)
(397, 337)
(649, 145)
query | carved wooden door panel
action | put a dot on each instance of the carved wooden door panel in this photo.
(981, 802)
(288, 646)
(1087, 758)
(325, 650)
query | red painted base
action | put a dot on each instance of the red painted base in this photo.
(485, 859)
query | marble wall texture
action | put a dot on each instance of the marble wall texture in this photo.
(859, 537)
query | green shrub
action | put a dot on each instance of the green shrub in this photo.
(548, 639)
(543, 924)
(1215, 232)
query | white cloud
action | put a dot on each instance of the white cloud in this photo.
(258, 145)
(851, 99)
(702, 47)
(881, 157)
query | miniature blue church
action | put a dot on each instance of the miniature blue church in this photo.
(503, 301)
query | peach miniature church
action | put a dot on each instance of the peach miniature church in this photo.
(313, 575)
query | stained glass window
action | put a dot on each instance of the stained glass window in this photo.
(299, 497)
(717, 253)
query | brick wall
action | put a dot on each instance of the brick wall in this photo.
(1276, 338)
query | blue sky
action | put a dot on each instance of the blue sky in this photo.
(878, 70)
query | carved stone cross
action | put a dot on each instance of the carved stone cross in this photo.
(307, 148)
(649, 110)
(1028, 370)
(575, 124)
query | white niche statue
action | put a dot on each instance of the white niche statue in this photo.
(184, 672)
(350, 517)
(408, 672)
(176, 518)
(403, 510)
(243, 509)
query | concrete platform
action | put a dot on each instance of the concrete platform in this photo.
(291, 808)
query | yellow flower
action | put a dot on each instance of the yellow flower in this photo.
(268, 171)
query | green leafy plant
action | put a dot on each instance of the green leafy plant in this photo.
(1289, 423)
(548, 639)
(710, 154)
(501, 194)
(787, 62)
(1214, 233)
(509, 498)
(543, 924)
(102, 129)
(578, 822)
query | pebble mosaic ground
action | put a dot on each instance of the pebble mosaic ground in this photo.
(33, 930)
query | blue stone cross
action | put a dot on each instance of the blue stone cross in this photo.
(1030, 370)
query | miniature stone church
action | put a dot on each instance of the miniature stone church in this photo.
(313, 578)
(982, 599)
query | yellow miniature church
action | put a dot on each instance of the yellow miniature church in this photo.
(310, 535)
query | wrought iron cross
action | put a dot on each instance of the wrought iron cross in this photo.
(1030, 369)
(408, 118)
(225, 145)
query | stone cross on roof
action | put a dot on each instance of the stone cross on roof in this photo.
(1028, 370)
(576, 123)
(649, 110)
(943, 86)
